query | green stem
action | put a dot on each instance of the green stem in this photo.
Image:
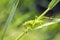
(21, 35)
(47, 24)
(52, 4)
(43, 14)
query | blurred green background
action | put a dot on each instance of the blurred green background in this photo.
(27, 10)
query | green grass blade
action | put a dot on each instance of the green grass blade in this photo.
(21, 35)
(47, 24)
(43, 14)
(10, 17)
(53, 3)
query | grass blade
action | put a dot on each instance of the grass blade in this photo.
(47, 24)
(43, 14)
(52, 4)
(10, 17)
(21, 35)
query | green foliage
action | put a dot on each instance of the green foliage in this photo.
(53, 3)
(40, 28)
(33, 23)
(10, 17)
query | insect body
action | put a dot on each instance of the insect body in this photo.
(35, 23)
(32, 24)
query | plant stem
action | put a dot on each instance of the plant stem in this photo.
(21, 35)
(10, 17)
(43, 14)
(47, 24)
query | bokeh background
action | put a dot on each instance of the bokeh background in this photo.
(27, 10)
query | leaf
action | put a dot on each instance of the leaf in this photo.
(53, 3)
(47, 24)
(14, 6)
